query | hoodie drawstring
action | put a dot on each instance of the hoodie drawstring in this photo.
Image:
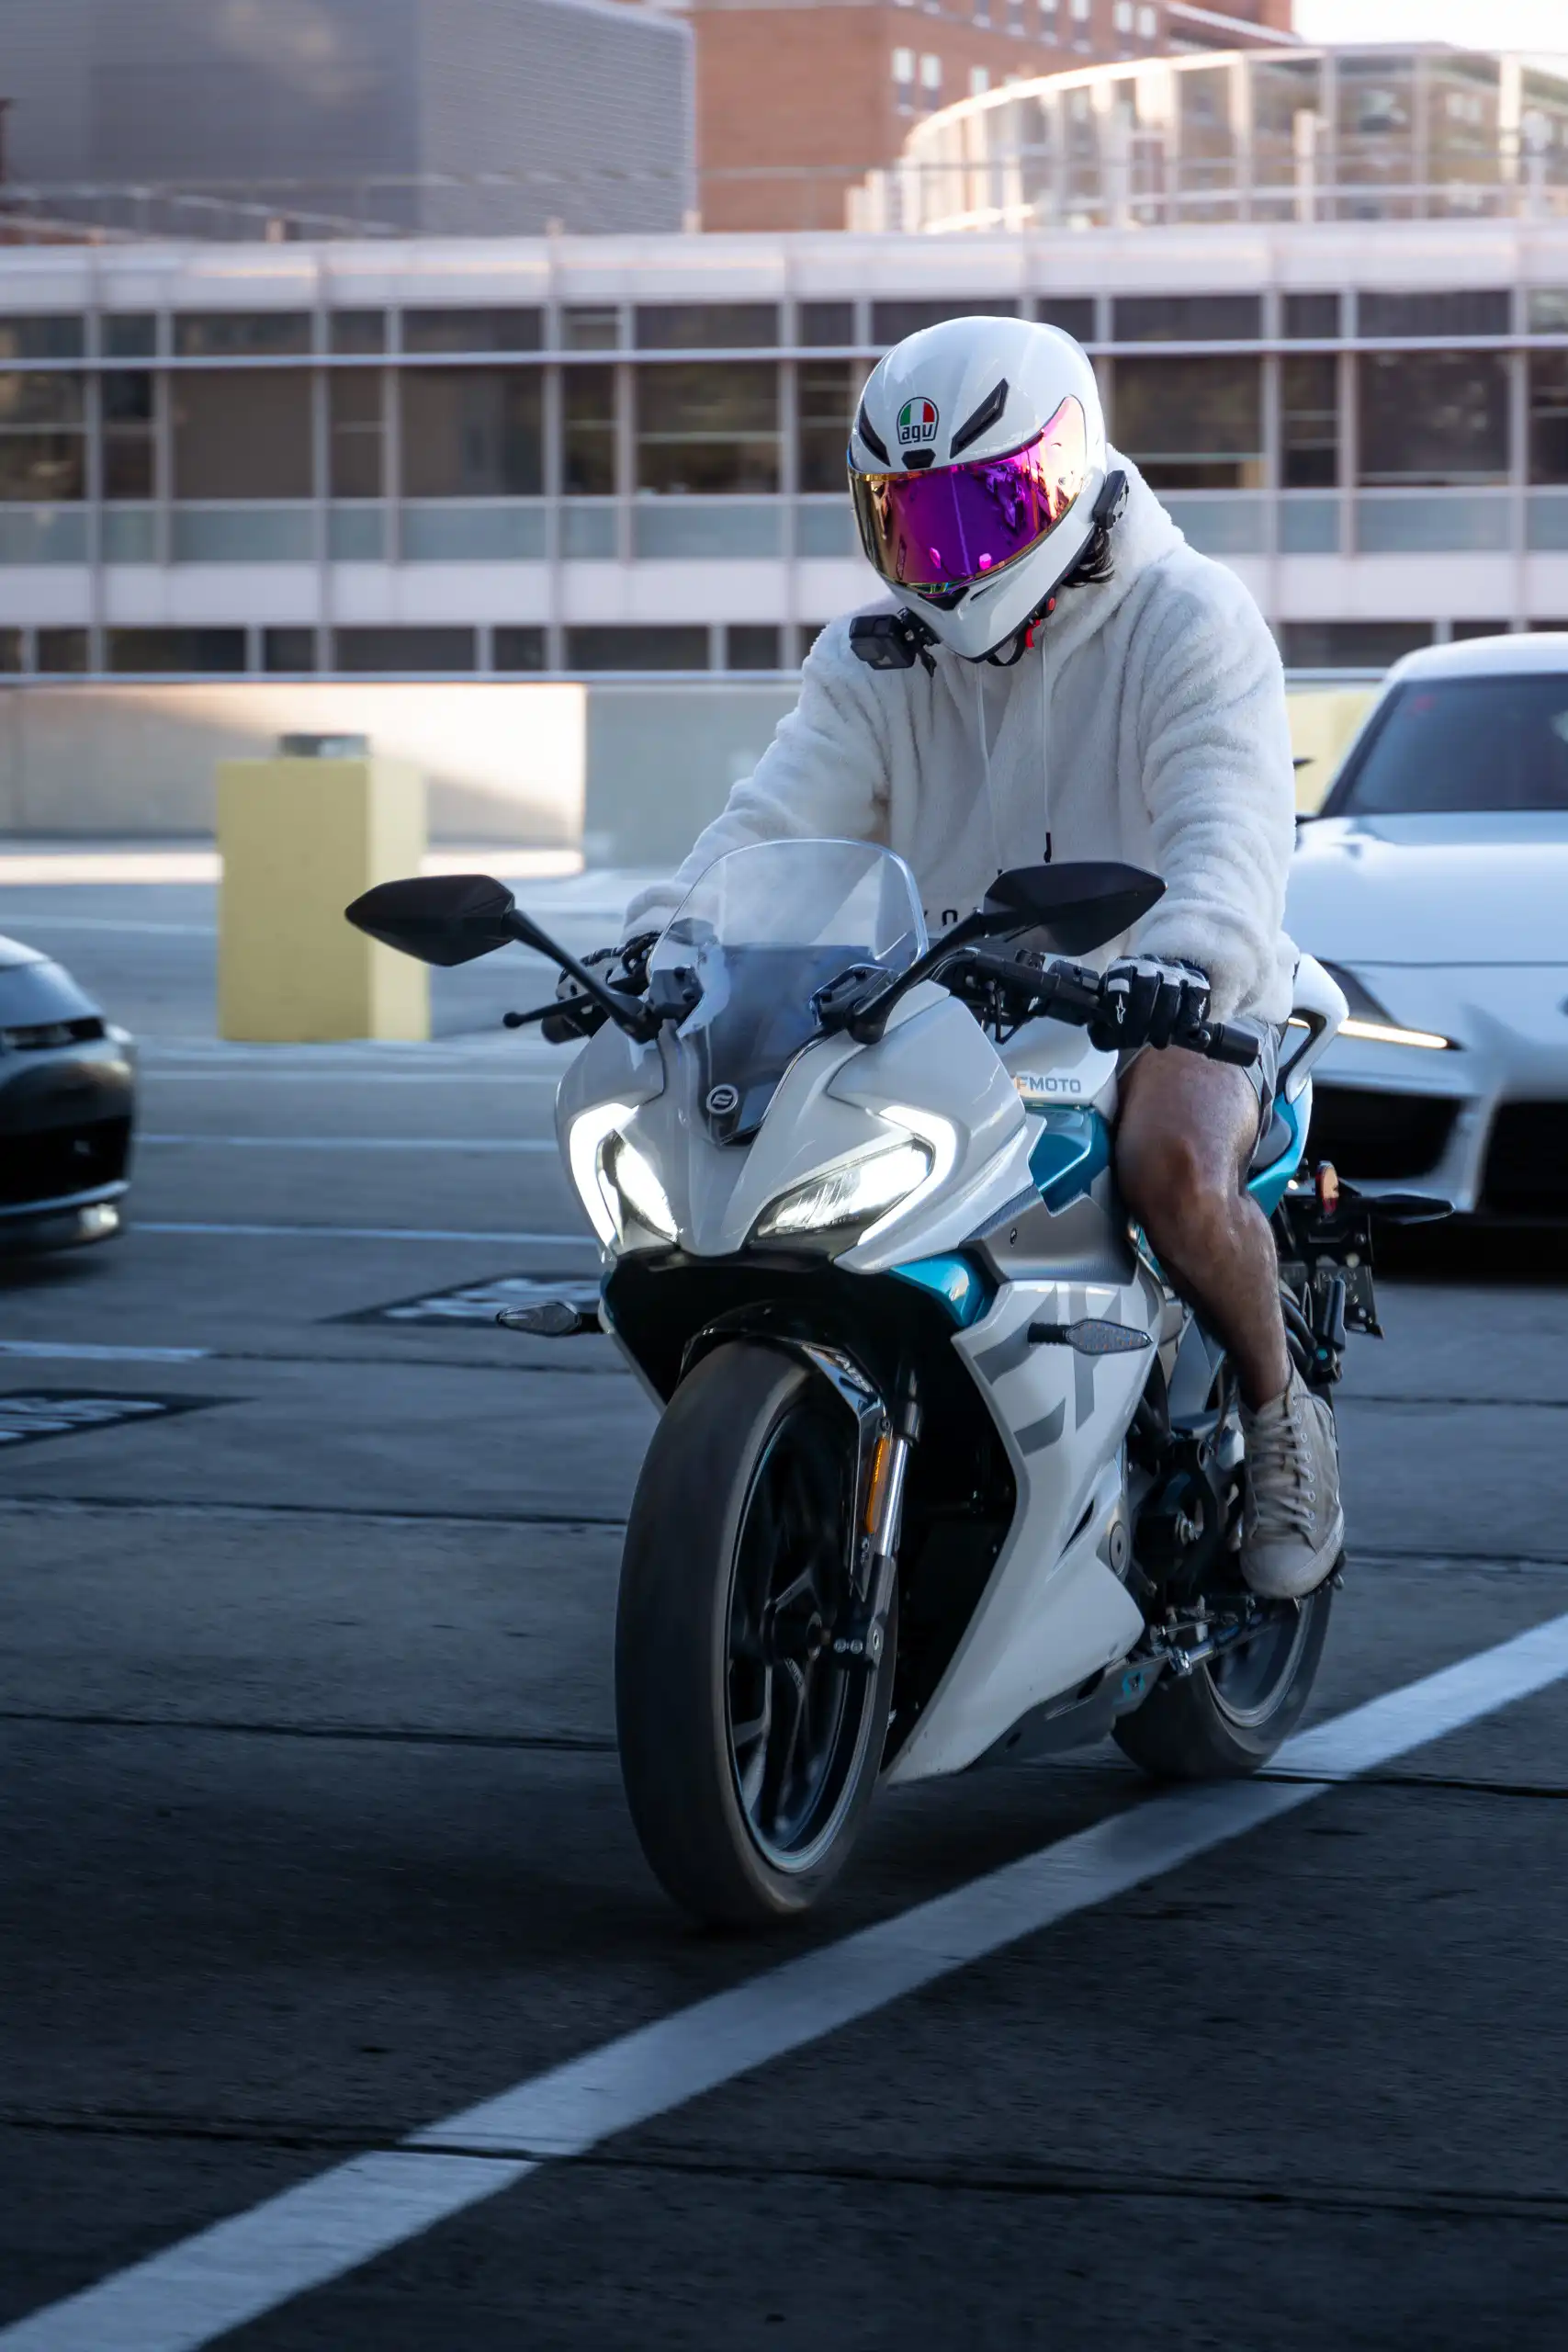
(986, 763)
(1045, 748)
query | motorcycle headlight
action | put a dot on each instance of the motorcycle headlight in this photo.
(618, 1183)
(868, 1188)
(849, 1192)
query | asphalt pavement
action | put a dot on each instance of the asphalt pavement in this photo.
(314, 1839)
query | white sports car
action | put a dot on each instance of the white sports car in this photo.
(1434, 885)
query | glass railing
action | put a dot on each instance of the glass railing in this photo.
(495, 531)
(262, 533)
(43, 535)
(720, 529)
(1433, 521)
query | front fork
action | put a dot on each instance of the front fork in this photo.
(862, 1637)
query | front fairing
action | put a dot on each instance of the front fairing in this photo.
(835, 1099)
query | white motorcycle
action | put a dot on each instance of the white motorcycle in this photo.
(946, 1473)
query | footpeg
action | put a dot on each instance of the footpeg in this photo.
(552, 1318)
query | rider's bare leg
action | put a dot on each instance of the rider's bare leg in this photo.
(1184, 1136)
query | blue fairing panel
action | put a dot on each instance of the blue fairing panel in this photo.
(1071, 1150)
(1267, 1187)
(963, 1289)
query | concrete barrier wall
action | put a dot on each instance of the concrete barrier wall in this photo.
(629, 769)
(504, 762)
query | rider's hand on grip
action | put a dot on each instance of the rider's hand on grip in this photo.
(1146, 1000)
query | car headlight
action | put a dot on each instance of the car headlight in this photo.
(1369, 1021)
(618, 1183)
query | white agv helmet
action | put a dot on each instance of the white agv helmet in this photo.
(977, 460)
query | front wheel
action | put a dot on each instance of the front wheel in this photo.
(749, 1751)
(1226, 1718)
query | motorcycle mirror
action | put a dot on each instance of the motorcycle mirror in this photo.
(443, 918)
(1076, 905)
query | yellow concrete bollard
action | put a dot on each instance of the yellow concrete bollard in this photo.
(1323, 721)
(299, 836)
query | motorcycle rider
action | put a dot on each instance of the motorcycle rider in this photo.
(1068, 678)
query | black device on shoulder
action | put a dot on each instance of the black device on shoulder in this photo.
(892, 640)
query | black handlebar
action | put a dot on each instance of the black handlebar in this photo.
(1075, 994)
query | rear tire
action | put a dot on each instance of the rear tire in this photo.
(1225, 1719)
(749, 1753)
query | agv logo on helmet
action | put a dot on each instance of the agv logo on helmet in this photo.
(917, 422)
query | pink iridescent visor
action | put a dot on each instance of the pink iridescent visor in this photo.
(952, 527)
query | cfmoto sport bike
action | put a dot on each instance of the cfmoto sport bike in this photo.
(946, 1473)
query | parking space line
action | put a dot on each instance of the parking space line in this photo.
(222, 2277)
(356, 1143)
(363, 1233)
(97, 1351)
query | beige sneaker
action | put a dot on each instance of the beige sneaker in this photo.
(1293, 1530)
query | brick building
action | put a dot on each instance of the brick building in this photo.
(798, 100)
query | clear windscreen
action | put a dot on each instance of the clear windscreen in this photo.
(760, 933)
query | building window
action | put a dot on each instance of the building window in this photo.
(288, 652)
(397, 652)
(1081, 10)
(42, 441)
(518, 649)
(629, 648)
(59, 338)
(1309, 423)
(707, 326)
(1548, 311)
(591, 327)
(473, 330)
(1549, 416)
(820, 325)
(242, 334)
(1483, 311)
(128, 414)
(825, 398)
(1192, 423)
(176, 652)
(357, 331)
(1074, 313)
(1433, 418)
(1048, 20)
(129, 335)
(891, 322)
(242, 434)
(588, 432)
(1350, 645)
(1148, 24)
(472, 433)
(753, 645)
(62, 652)
(1187, 318)
(706, 430)
(354, 404)
(1122, 16)
(930, 79)
(1312, 318)
(904, 78)
(979, 81)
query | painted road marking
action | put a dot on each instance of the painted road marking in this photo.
(41, 1413)
(473, 1302)
(95, 1351)
(355, 1143)
(370, 1233)
(223, 2278)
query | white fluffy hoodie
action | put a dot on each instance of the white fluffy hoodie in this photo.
(1148, 723)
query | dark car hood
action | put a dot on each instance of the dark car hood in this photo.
(34, 990)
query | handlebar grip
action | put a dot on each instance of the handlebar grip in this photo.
(1229, 1041)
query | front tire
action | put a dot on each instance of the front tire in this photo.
(1226, 1718)
(749, 1752)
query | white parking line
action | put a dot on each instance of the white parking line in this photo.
(356, 1143)
(219, 2279)
(92, 1352)
(363, 1233)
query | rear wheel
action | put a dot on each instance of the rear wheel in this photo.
(1228, 1717)
(749, 1751)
